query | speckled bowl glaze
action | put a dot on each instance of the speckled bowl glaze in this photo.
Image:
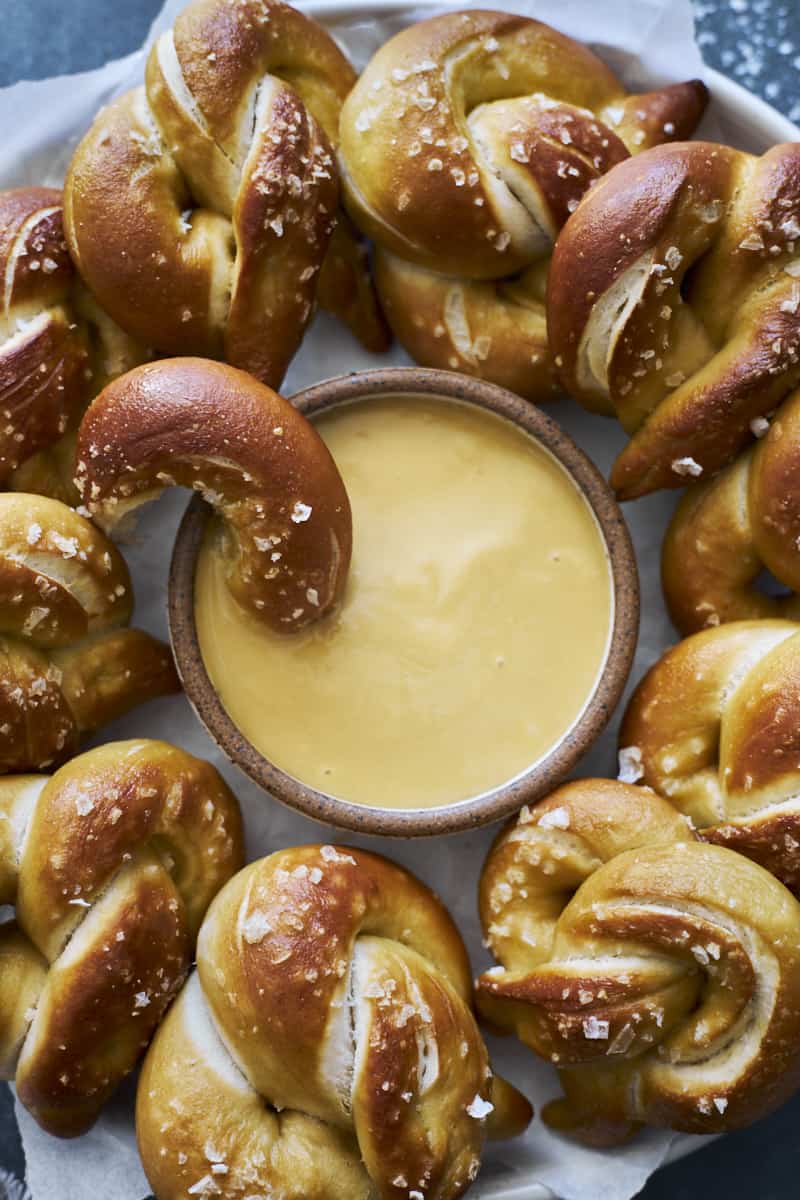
(547, 771)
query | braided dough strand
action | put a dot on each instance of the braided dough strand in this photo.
(714, 728)
(200, 208)
(66, 664)
(661, 975)
(110, 863)
(726, 531)
(674, 303)
(329, 1020)
(466, 143)
(55, 345)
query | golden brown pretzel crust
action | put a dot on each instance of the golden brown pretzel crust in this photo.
(674, 302)
(466, 143)
(200, 208)
(262, 466)
(110, 864)
(55, 348)
(339, 987)
(66, 664)
(713, 727)
(661, 975)
(727, 530)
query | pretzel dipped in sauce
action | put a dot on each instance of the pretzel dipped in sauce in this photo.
(285, 515)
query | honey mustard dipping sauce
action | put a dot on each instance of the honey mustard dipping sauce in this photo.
(474, 626)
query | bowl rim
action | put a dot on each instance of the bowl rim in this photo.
(544, 774)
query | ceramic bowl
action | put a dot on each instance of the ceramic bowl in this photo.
(543, 774)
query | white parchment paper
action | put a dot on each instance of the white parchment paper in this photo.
(647, 42)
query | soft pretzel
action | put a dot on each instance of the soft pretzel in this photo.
(660, 975)
(674, 302)
(466, 143)
(66, 665)
(286, 520)
(713, 726)
(110, 865)
(200, 208)
(325, 1048)
(56, 347)
(726, 531)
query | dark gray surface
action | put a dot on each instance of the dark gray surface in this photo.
(757, 42)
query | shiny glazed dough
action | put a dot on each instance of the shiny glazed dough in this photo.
(474, 624)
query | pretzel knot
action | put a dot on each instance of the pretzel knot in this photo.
(713, 727)
(55, 346)
(110, 865)
(726, 531)
(284, 517)
(325, 1046)
(674, 302)
(660, 975)
(66, 665)
(466, 143)
(200, 208)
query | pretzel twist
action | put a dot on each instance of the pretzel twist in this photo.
(713, 727)
(466, 143)
(66, 665)
(325, 1046)
(660, 975)
(55, 345)
(726, 531)
(674, 303)
(200, 208)
(110, 865)
(285, 523)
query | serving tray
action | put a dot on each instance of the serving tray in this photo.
(512, 1171)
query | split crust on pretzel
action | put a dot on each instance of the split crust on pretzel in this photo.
(57, 348)
(67, 663)
(326, 1045)
(659, 974)
(466, 143)
(728, 530)
(674, 303)
(110, 864)
(200, 207)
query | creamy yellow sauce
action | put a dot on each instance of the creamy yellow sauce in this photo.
(473, 628)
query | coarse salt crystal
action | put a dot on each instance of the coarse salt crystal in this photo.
(630, 764)
(595, 1030)
(255, 927)
(207, 1186)
(67, 546)
(556, 818)
(301, 512)
(686, 466)
(331, 854)
(479, 1108)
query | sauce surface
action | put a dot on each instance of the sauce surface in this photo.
(474, 624)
